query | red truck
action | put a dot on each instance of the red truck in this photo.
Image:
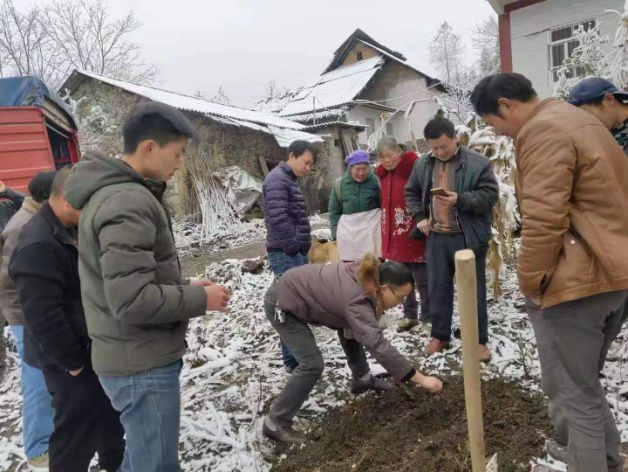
(37, 131)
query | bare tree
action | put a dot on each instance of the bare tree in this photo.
(486, 40)
(221, 97)
(446, 52)
(94, 41)
(24, 45)
(67, 35)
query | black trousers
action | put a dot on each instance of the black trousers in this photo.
(441, 267)
(84, 423)
(410, 304)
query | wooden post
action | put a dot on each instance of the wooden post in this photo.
(466, 284)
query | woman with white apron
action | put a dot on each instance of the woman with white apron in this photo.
(354, 210)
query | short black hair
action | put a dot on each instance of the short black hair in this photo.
(437, 127)
(58, 183)
(298, 148)
(161, 123)
(40, 186)
(490, 89)
(395, 274)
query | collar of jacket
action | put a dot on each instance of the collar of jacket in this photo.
(285, 168)
(156, 187)
(533, 113)
(61, 233)
(31, 205)
(404, 168)
(461, 155)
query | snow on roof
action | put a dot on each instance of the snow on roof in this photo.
(335, 88)
(256, 120)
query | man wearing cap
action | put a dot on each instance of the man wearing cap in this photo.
(354, 209)
(607, 103)
(137, 304)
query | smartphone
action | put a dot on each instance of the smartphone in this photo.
(439, 191)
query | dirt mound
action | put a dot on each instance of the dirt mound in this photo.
(411, 430)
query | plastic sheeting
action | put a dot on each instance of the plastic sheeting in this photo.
(28, 92)
(242, 189)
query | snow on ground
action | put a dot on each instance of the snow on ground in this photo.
(233, 370)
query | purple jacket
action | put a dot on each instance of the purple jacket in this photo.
(329, 295)
(285, 213)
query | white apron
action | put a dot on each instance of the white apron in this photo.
(358, 234)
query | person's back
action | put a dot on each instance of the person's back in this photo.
(594, 195)
(572, 188)
(36, 406)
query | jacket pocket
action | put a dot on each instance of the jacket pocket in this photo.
(574, 267)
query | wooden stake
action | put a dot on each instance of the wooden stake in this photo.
(466, 284)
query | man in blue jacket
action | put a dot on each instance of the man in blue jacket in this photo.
(288, 237)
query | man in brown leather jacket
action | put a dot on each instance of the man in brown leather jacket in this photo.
(572, 187)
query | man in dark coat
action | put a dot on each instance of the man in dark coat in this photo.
(45, 269)
(459, 218)
(288, 235)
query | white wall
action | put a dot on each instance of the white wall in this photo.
(361, 113)
(395, 86)
(531, 26)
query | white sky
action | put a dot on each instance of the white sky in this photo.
(243, 44)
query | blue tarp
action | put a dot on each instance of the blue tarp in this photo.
(28, 92)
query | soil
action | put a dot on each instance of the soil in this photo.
(412, 430)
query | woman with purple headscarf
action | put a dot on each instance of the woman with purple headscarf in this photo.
(354, 209)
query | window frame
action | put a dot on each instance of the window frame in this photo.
(564, 43)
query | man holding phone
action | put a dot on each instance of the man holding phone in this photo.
(451, 193)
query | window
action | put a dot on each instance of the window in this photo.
(359, 55)
(561, 46)
(370, 124)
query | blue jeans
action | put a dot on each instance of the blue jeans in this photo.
(37, 403)
(150, 411)
(280, 262)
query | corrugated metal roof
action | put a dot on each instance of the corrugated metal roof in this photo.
(185, 102)
(335, 88)
(280, 128)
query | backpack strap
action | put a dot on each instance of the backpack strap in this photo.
(337, 189)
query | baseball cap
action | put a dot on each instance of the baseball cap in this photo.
(592, 88)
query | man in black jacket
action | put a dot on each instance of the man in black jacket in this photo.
(458, 218)
(44, 267)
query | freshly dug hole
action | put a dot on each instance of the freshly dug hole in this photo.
(411, 430)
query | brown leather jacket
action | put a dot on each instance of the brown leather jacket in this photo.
(572, 187)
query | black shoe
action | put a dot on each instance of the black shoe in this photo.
(556, 450)
(281, 433)
(372, 383)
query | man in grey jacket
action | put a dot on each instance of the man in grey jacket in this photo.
(137, 305)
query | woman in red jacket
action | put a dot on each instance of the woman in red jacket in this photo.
(397, 224)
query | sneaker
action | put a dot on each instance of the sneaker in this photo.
(372, 383)
(39, 463)
(484, 353)
(436, 345)
(406, 324)
(282, 434)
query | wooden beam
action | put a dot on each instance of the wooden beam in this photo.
(263, 165)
